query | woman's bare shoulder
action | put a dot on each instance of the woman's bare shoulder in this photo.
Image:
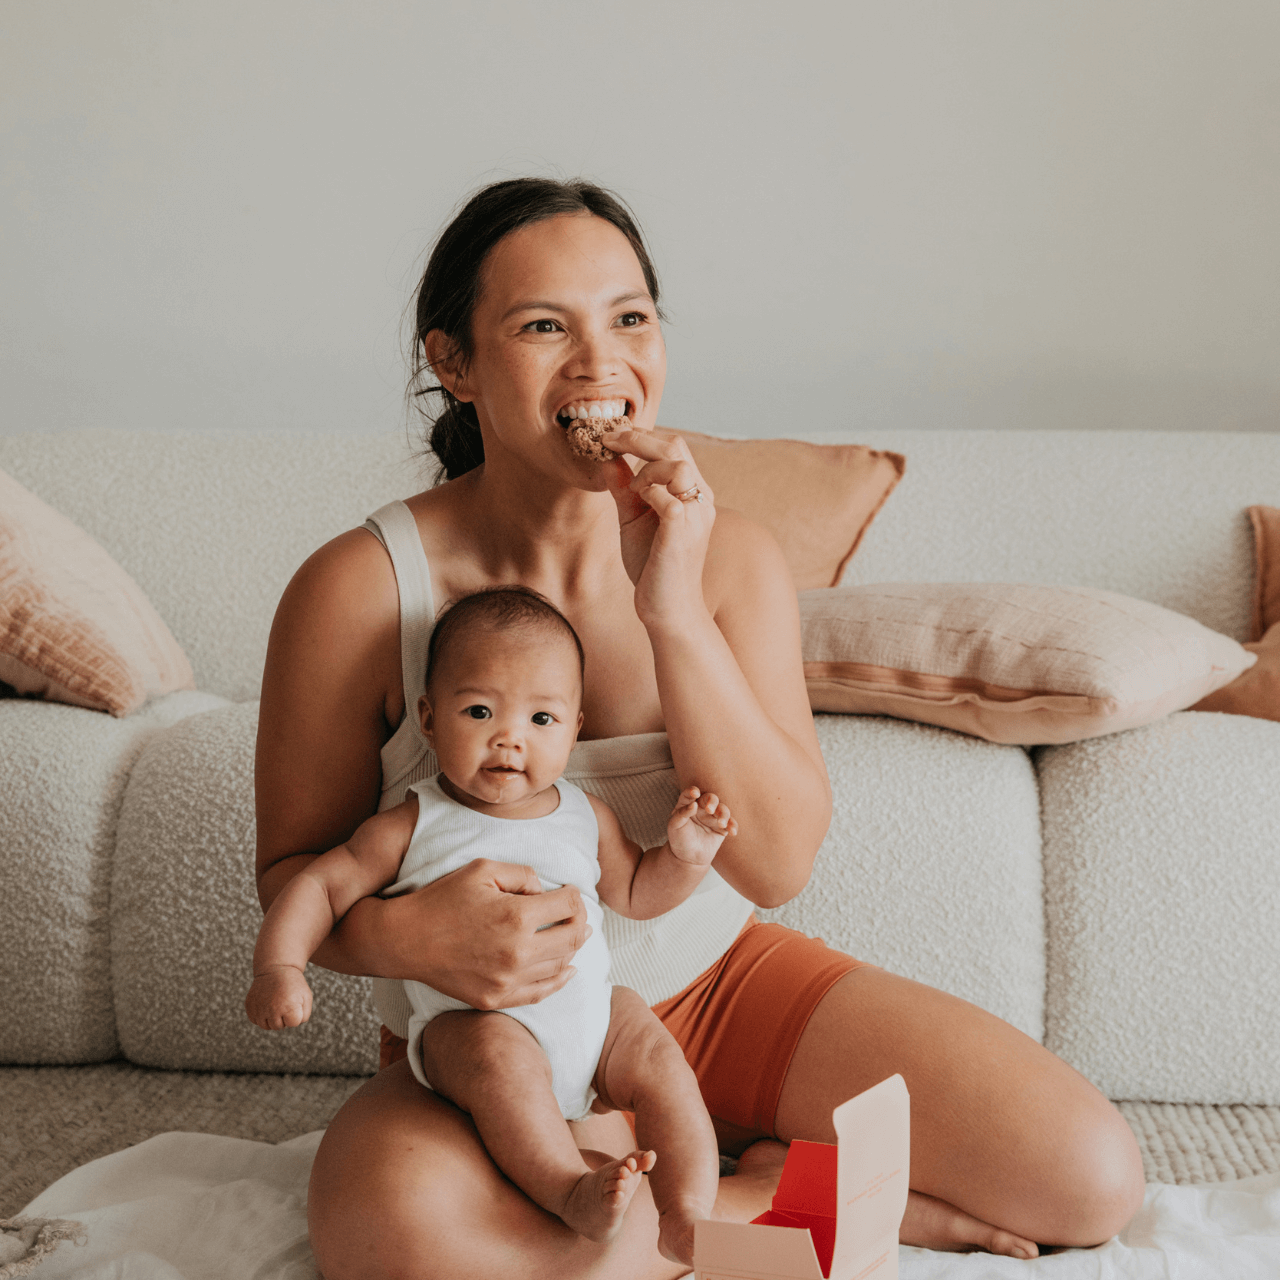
(348, 579)
(337, 627)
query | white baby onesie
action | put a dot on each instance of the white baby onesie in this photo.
(562, 848)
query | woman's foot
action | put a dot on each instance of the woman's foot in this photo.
(748, 1192)
(598, 1202)
(934, 1224)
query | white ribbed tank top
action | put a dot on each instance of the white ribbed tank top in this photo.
(633, 775)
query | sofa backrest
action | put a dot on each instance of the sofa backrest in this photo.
(213, 525)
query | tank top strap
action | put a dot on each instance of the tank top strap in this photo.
(397, 530)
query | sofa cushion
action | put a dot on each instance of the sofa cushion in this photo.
(1010, 662)
(931, 867)
(74, 627)
(1162, 886)
(1266, 554)
(817, 500)
(184, 917)
(62, 776)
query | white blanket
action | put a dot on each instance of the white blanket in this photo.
(188, 1206)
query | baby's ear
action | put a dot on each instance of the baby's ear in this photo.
(425, 718)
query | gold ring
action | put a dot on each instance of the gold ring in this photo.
(691, 495)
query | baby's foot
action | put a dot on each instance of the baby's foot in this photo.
(599, 1199)
(675, 1231)
(934, 1224)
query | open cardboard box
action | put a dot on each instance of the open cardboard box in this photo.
(837, 1209)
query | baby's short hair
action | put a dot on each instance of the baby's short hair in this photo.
(513, 608)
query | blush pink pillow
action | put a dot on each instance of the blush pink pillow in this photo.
(1257, 692)
(1008, 662)
(74, 627)
(816, 499)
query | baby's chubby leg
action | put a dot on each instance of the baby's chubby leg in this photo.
(643, 1070)
(492, 1067)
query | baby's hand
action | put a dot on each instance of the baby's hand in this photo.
(698, 825)
(278, 998)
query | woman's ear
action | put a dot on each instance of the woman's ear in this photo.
(425, 719)
(446, 363)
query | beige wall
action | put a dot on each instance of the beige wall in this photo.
(991, 213)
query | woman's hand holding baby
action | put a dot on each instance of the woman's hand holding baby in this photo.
(493, 938)
(698, 826)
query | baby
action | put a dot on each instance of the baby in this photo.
(502, 712)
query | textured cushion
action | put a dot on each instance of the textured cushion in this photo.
(1008, 662)
(1153, 515)
(62, 775)
(817, 500)
(931, 867)
(184, 917)
(74, 627)
(1162, 892)
(1266, 592)
(1257, 691)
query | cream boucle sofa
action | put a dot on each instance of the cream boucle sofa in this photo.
(1116, 898)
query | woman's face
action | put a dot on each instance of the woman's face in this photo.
(564, 321)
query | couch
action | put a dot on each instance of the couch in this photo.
(1115, 898)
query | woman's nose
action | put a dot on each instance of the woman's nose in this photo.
(595, 356)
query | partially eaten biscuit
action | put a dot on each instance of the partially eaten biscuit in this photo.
(586, 436)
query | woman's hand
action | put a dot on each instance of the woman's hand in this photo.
(664, 537)
(494, 939)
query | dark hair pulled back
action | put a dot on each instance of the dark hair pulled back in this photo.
(450, 288)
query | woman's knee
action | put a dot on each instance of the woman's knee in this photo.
(1098, 1178)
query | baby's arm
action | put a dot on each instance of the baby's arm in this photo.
(641, 884)
(308, 907)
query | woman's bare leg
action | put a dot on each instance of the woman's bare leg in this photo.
(1007, 1141)
(402, 1187)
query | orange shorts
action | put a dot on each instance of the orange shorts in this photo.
(739, 1023)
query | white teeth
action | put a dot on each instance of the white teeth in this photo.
(596, 409)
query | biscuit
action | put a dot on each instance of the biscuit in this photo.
(585, 435)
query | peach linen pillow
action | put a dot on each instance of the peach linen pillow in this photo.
(1257, 691)
(816, 499)
(74, 627)
(1007, 662)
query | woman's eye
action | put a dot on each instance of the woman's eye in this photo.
(631, 319)
(479, 713)
(542, 326)
(542, 717)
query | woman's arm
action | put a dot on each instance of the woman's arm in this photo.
(720, 609)
(330, 694)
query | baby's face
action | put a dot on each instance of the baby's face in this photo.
(503, 713)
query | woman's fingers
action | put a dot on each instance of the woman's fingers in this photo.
(509, 876)
(667, 463)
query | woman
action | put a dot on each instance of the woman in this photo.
(540, 300)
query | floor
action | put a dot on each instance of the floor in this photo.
(56, 1118)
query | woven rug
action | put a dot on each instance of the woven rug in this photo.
(57, 1118)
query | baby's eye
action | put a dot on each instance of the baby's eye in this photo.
(542, 717)
(479, 712)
